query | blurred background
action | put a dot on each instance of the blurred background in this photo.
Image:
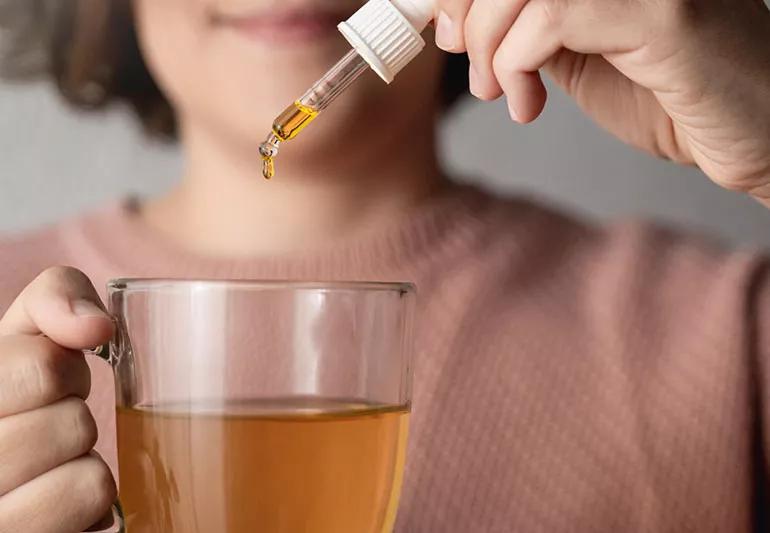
(55, 163)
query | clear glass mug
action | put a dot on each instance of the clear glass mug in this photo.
(272, 407)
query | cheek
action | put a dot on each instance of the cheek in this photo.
(170, 35)
(206, 83)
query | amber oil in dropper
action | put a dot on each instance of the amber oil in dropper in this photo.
(293, 120)
(288, 125)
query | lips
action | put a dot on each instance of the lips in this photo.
(285, 26)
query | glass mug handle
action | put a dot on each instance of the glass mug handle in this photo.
(119, 522)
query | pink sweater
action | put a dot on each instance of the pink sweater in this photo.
(568, 378)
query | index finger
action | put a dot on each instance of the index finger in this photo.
(62, 304)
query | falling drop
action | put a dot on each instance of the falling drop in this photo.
(268, 150)
(268, 167)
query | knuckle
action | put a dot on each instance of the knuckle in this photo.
(552, 12)
(56, 275)
(18, 372)
(98, 483)
(682, 14)
(453, 7)
(502, 62)
(46, 377)
(50, 373)
(749, 183)
(53, 279)
(35, 371)
(477, 39)
(81, 423)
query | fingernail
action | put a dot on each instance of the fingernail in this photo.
(445, 34)
(474, 82)
(87, 308)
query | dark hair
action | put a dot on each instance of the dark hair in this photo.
(89, 48)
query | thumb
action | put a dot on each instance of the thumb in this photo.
(62, 304)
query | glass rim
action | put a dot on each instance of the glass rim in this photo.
(147, 284)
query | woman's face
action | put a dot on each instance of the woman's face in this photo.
(233, 65)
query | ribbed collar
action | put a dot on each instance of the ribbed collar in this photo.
(404, 249)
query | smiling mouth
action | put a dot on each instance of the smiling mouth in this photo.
(286, 26)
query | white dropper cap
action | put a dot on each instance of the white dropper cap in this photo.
(386, 33)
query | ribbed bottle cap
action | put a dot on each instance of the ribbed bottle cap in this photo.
(383, 36)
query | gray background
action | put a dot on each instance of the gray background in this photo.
(54, 162)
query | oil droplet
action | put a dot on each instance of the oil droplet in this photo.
(268, 167)
(268, 150)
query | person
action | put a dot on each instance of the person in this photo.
(569, 377)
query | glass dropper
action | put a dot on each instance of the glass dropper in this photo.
(303, 111)
(384, 36)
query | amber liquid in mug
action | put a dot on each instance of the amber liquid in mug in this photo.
(278, 466)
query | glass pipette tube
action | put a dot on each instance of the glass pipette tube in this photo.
(303, 111)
